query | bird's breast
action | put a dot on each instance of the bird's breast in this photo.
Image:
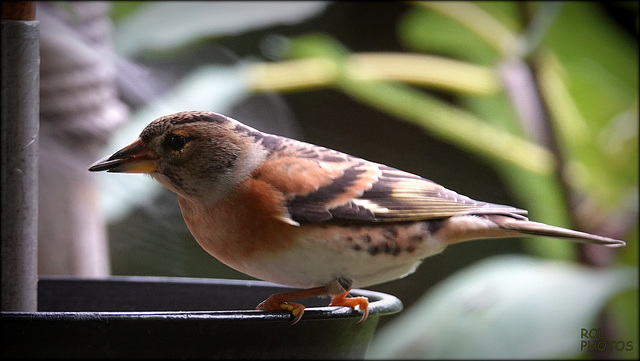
(241, 226)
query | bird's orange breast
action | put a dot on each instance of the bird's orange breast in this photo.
(242, 225)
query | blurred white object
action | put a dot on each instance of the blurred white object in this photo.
(79, 108)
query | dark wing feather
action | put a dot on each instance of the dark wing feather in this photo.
(324, 185)
(403, 196)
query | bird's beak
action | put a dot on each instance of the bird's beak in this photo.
(134, 158)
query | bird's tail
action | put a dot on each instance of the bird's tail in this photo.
(541, 229)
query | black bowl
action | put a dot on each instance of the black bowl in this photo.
(166, 317)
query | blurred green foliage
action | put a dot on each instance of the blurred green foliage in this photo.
(121, 9)
(503, 308)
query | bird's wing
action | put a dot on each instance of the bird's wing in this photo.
(324, 185)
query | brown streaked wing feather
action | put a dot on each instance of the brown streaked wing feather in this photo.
(400, 196)
(323, 185)
(314, 179)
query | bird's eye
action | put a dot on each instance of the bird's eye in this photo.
(175, 142)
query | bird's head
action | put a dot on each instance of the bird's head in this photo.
(199, 155)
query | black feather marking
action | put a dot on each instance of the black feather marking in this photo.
(434, 225)
(305, 214)
(162, 124)
(193, 117)
(351, 211)
(373, 250)
(311, 207)
(416, 239)
(270, 142)
(390, 233)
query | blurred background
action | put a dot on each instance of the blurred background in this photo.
(531, 104)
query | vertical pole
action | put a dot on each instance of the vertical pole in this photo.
(19, 113)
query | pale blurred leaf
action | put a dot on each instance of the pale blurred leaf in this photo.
(166, 25)
(504, 307)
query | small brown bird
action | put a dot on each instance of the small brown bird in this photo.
(306, 216)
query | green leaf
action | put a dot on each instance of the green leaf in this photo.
(427, 31)
(505, 307)
(592, 85)
(122, 9)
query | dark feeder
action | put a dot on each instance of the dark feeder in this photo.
(166, 317)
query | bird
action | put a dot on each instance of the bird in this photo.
(306, 216)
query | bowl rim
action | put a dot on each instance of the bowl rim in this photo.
(380, 303)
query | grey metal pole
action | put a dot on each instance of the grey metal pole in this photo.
(20, 57)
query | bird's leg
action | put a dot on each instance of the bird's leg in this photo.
(339, 289)
(341, 299)
(280, 301)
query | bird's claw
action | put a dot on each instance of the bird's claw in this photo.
(361, 302)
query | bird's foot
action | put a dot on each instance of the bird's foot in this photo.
(280, 301)
(340, 288)
(361, 302)
(274, 302)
